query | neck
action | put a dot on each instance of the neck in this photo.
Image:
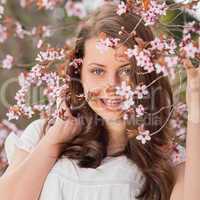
(117, 137)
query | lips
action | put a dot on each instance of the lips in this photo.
(112, 103)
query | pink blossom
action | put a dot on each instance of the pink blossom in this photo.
(171, 61)
(144, 60)
(124, 90)
(103, 44)
(189, 28)
(190, 50)
(3, 33)
(127, 104)
(13, 114)
(121, 8)
(132, 52)
(157, 44)
(23, 3)
(7, 62)
(154, 12)
(178, 155)
(140, 91)
(75, 9)
(19, 31)
(76, 63)
(46, 31)
(161, 69)
(39, 44)
(1, 11)
(168, 45)
(50, 55)
(144, 135)
(48, 4)
(139, 110)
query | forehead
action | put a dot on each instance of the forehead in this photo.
(110, 56)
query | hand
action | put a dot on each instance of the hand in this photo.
(63, 131)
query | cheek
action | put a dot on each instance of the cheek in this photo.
(92, 83)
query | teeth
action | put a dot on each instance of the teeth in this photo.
(111, 102)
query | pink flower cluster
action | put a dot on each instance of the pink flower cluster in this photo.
(38, 76)
(75, 9)
(188, 47)
(150, 14)
(178, 121)
(122, 8)
(155, 10)
(1, 10)
(165, 49)
(103, 44)
(3, 33)
(41, 4)
(144, 135)
(7, 62)
(50, 54)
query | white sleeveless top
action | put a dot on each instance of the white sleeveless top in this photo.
(116, 178)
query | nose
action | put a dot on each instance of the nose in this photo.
(112, 82)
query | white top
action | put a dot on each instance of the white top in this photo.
(116, 178)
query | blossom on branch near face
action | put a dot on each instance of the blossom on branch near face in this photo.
(139, 110)
(140, 91)
(157, 44)
(103, 43)
(132, 52)
(161, 69)
(144, 135)
(190, 50)
(7, 62)
(168, 45)
(121, 8)
(76, 63)
(124, 90)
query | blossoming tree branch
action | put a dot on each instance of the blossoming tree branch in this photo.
(164, 56)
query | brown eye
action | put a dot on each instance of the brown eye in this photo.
(97, 71)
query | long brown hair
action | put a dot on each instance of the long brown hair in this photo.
(89, 147)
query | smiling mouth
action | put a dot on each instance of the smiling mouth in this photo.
(111, 104)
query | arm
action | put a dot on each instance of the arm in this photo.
(192, 172)
(189, 186)
(30, 173)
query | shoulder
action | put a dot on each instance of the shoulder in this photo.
(36, 124)
(28, 138)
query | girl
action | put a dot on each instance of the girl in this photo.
(91, 152)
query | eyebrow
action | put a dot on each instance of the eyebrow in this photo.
(105, 66)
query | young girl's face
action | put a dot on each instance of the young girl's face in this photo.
(101, 71)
